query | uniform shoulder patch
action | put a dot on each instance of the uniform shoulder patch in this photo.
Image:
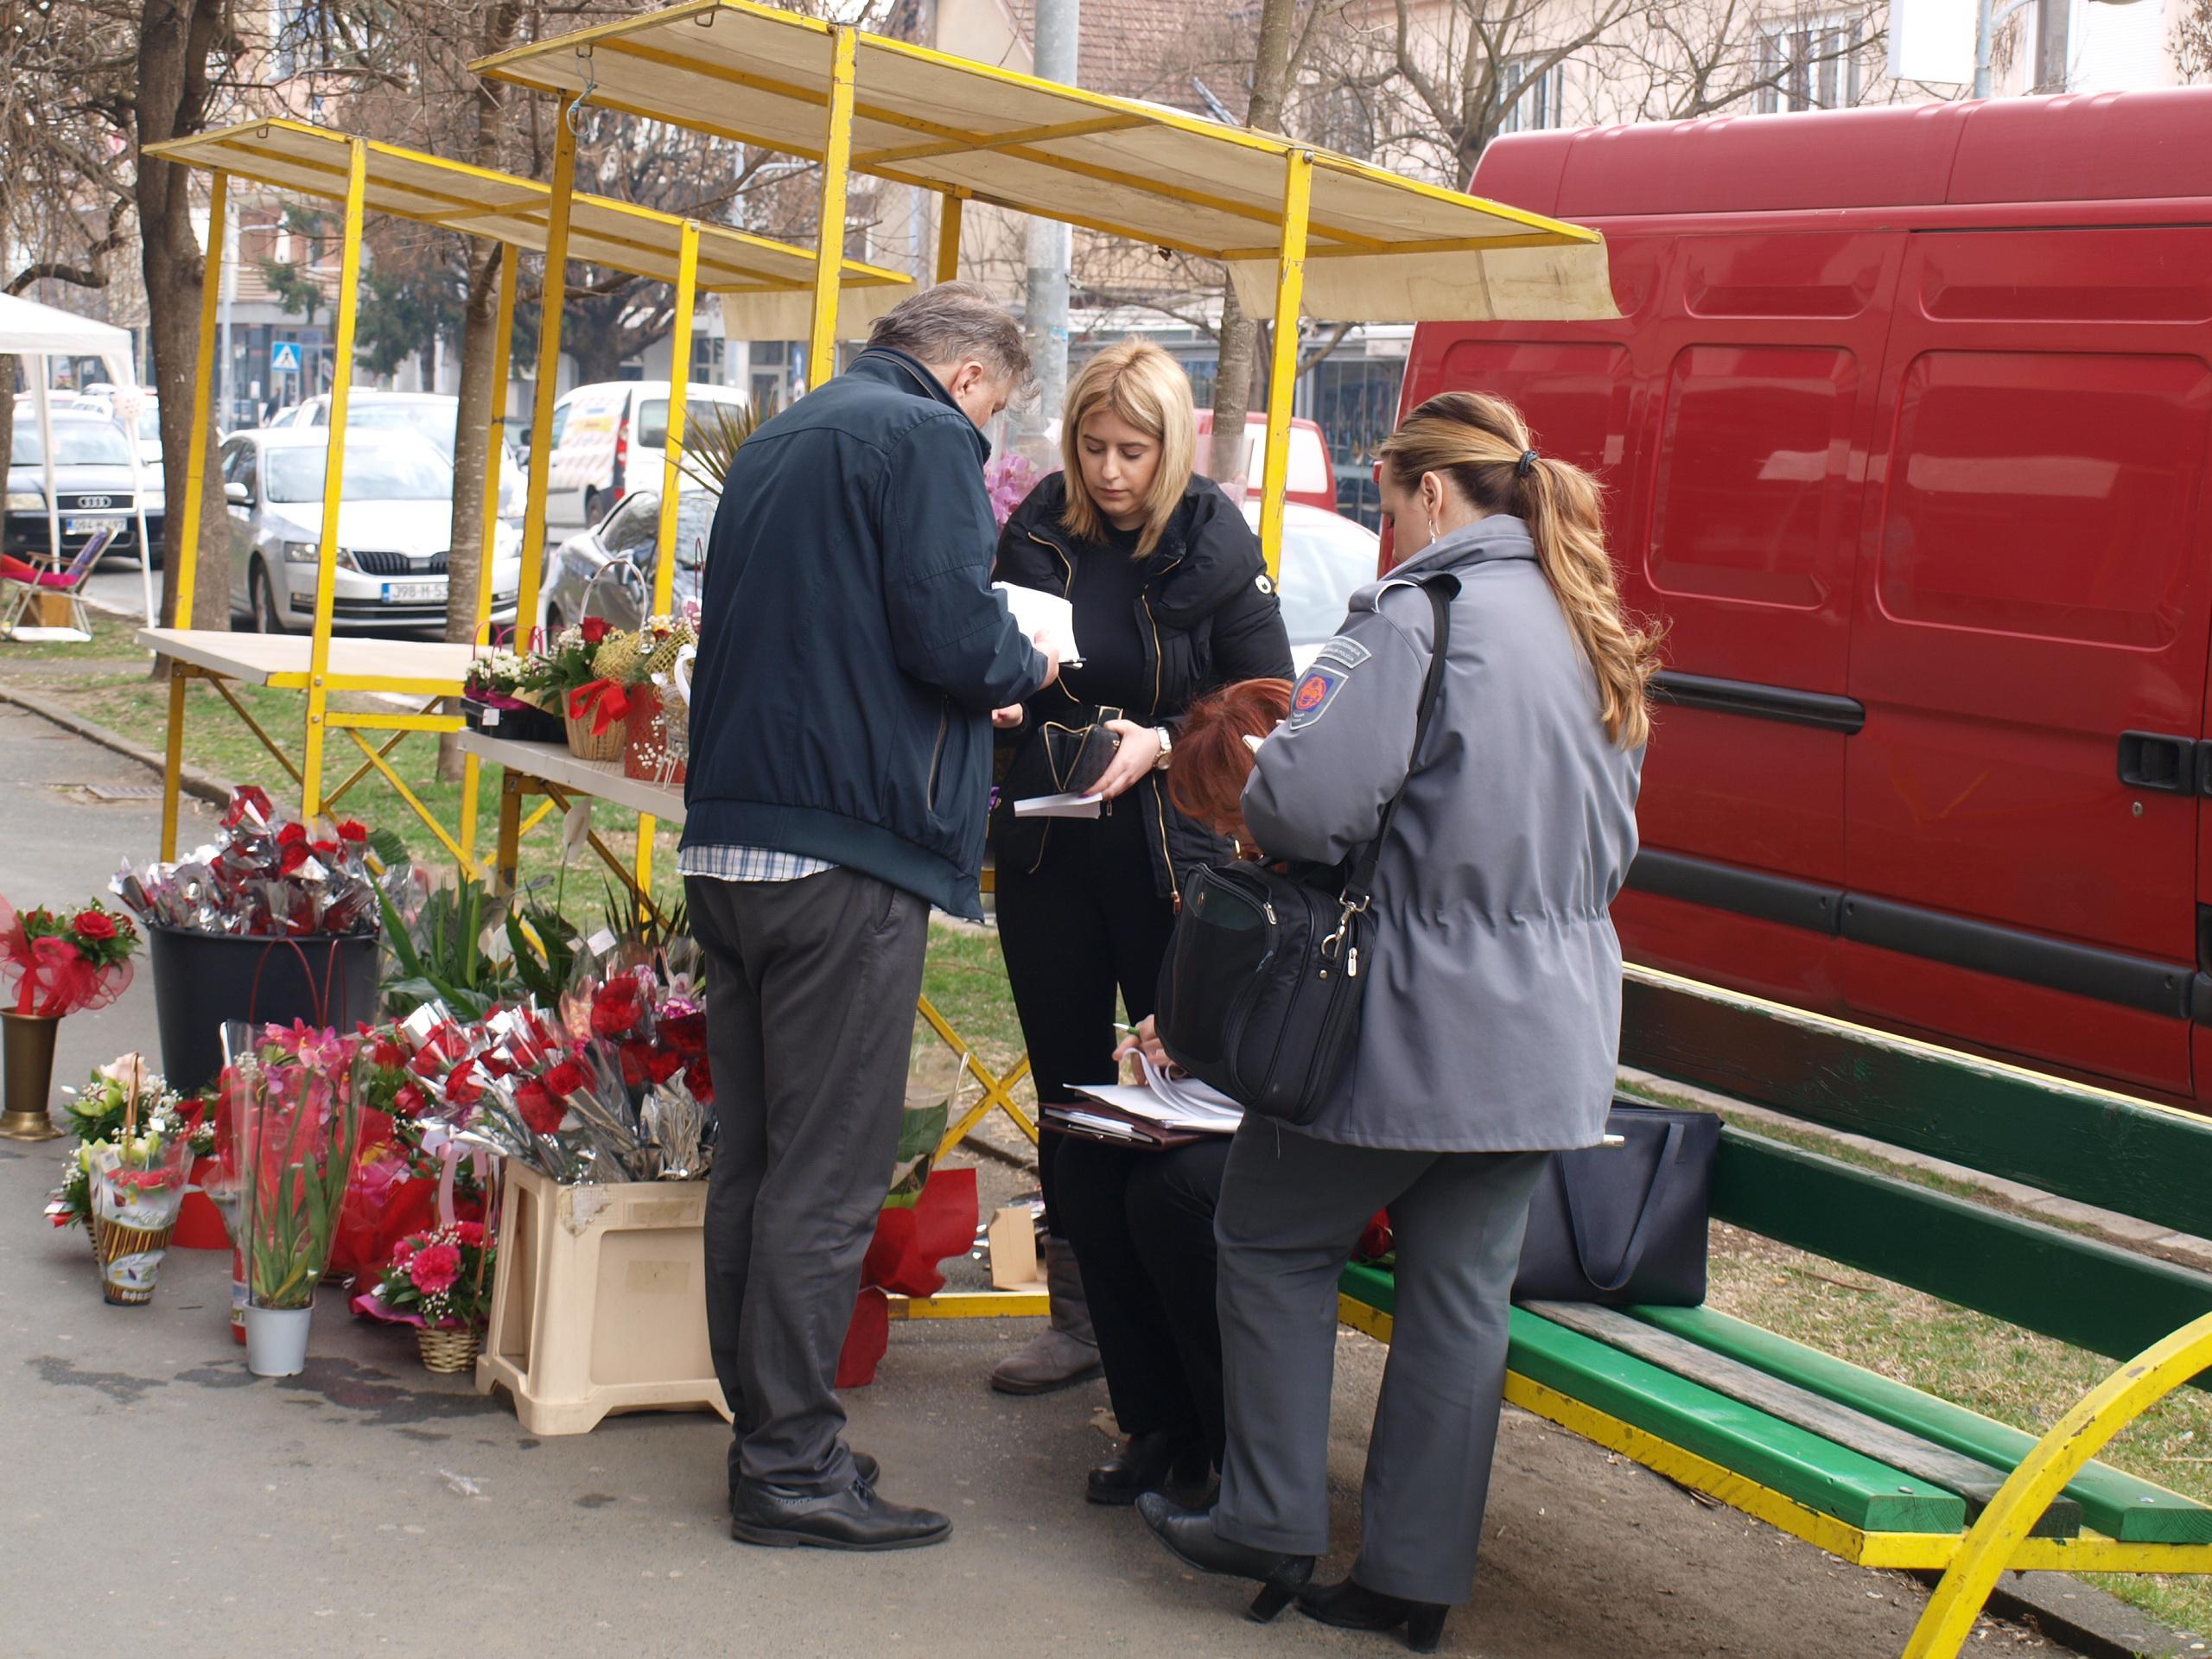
(1316, 689)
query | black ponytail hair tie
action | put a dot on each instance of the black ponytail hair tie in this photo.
(1526, 465)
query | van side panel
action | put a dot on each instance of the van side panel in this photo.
(2037, 583)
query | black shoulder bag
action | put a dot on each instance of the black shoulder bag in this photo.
(1260, 993)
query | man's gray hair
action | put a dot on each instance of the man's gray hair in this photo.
(956, 322)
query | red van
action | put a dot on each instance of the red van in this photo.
(1904, 430)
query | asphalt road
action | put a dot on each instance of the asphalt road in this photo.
(156, 1498)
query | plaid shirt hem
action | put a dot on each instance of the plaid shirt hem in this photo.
(747, 864)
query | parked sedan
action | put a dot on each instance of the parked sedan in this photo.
(1327, 558)
(606, 569)
(93, 483)
(428, 415)
(393, 526)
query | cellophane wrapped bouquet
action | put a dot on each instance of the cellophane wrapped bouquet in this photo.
(266, 876)
(53, 963)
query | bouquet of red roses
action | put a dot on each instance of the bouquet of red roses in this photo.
(54, 964)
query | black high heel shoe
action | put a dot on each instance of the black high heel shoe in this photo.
(1350, 1606)
(1190, 1539)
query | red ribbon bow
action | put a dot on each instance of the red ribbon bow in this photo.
(603, 700)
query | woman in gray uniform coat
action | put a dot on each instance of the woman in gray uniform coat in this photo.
(1489, 1030)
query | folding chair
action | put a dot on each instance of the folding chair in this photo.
(22, 583)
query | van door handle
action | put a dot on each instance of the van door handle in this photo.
(2154, 760)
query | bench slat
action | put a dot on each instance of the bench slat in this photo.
(1971, 1478)
(2135, 1157)
(2118, 1504)
(2025, 1273)
(1801, 1466)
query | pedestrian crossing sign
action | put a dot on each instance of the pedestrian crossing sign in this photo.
(285, 358)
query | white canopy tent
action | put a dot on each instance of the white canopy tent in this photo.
(37, 332)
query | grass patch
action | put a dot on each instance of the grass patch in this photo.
(112, 637)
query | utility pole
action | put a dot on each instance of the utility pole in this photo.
(1051, 242)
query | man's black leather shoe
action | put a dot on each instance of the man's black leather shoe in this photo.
(855, 1518)
(863, 1466)
(1149, 1462)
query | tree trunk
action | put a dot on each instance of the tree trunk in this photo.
(1233, 378)
(8, 376)
(175, 40)
(477, 396)
(470, 477)
(593, 340)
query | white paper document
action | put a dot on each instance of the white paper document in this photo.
(1058, 806)
(1172, 1102)
(1039, 612)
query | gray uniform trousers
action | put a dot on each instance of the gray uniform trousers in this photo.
(811, 991)
(1292, 1208)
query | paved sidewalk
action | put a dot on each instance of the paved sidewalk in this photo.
(154, 1497)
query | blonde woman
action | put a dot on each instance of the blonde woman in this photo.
(1489, 1029)
(1172, 601)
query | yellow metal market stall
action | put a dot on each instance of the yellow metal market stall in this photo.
(763, 284)
(1301, 231)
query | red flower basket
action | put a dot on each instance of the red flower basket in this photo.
(645, 751)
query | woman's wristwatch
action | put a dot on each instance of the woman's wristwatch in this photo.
(1166, 748)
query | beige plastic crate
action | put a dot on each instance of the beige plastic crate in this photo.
(598, 1302)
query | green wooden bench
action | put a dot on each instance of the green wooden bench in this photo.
(1867, 1468)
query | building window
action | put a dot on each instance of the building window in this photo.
(1809, 64)
(1534, 100)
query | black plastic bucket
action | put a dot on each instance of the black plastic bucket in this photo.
(200, 980)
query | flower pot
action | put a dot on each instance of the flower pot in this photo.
(647, 753)
(29, 1076)
(451, 1348)
(276, 1339)
(200, 980)
(586, 745)
(131, 1260)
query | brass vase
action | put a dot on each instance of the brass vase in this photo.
(29, 1081)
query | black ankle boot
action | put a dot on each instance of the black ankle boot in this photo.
(1190, 1537)
(1148, 1463)
(1350, 1606)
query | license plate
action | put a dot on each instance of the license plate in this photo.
(413, 593)
(87, 526)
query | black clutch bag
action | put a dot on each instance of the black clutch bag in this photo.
(1056, 758)
(1624, 1225)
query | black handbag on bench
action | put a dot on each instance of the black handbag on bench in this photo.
(1624, 1225)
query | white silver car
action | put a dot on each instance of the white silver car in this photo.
(393, 531)
(1327, 558)
(428, 415)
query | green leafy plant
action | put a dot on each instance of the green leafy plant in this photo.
(715, 432)
(299, 1127)
(442, 955)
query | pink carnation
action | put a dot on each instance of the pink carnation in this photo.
(434, 1268)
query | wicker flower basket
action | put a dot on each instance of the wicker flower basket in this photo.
(449, 1349)
(651, 751)
(586, 745)
(129, 1258)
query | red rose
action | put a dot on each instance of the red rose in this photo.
(386, 1055)
(349, 829)
(292, 834)
(661, 1064)
(94, 924)
(461, 1087)
(538, 1108)
(324, 849)
(594, 629)
(294, 854)
(699, 1078)
(633, 1057)
(252, 796)
(685, 1034)
(409, 1100)
(566, 1078)
(499, 1066)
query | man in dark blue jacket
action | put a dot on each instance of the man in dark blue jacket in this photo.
(851, 654)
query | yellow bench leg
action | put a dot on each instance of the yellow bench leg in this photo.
(2077, 1437)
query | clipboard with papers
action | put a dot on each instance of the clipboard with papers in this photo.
(1160, 1112)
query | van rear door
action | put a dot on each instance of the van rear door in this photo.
(2029, 649)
